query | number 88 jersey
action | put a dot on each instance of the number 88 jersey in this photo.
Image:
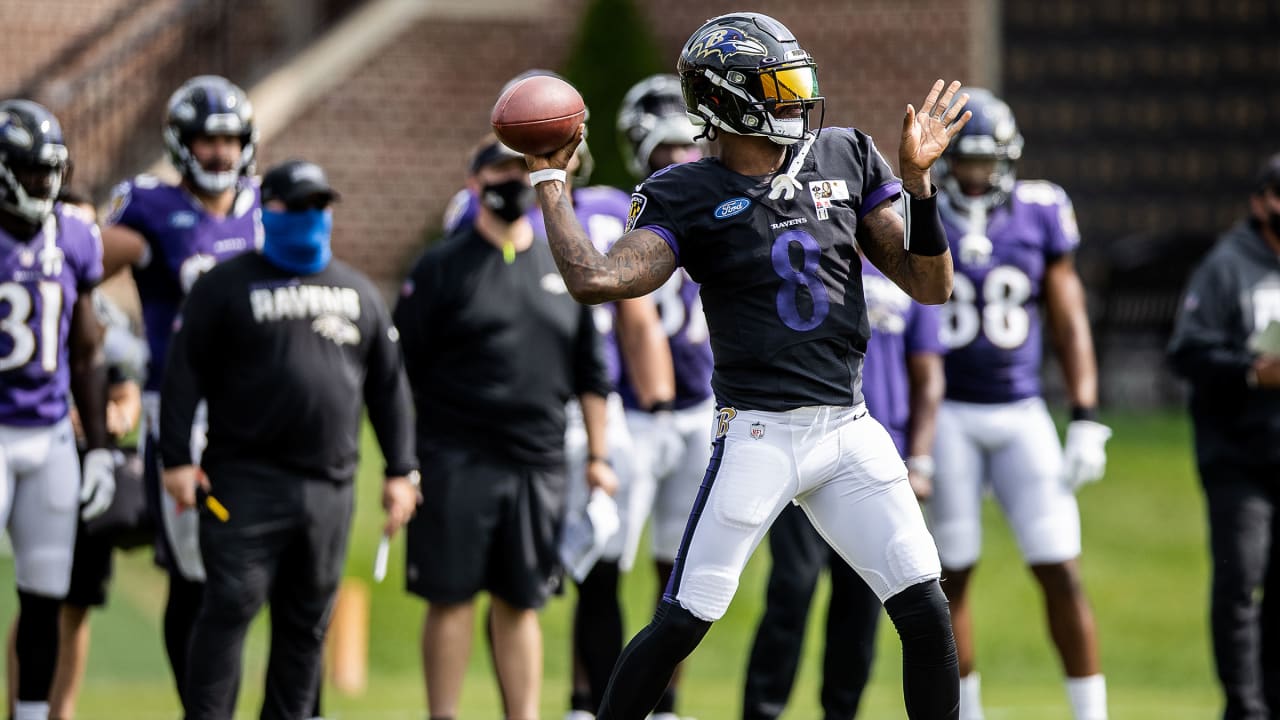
(40, 279)
(781, 280)
(991, 324)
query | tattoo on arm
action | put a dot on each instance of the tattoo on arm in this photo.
(637, 264)
(926, 279)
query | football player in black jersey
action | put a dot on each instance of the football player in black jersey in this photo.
(768, 227)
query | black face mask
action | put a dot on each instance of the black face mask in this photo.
(509, 200)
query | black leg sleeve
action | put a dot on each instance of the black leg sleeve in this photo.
(645, 667)
(36, 645)
(597, 627)
(930, 667)
(180, 610)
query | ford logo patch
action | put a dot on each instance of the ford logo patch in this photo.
(729, 208)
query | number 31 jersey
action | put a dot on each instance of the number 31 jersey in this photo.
(781, 279)
(991, 325)
(40, 280)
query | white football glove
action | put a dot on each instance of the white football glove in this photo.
(97, 482)
(1084, 456)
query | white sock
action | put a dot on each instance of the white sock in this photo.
(31, 711)
(971, 697)
(1088, 696)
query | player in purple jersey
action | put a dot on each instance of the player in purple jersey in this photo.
(902, 383)
(782, 293)
(170, 235)
(50, 349)
(1013, 241)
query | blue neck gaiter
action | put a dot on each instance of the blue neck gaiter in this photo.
(298, 241)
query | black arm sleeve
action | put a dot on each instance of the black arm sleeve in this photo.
(193, 338)
(1208, 344)
(589, 372)
(386, 394)
(925, 234)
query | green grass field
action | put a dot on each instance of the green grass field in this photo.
(1145, 566)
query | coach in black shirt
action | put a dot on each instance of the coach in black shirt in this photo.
(1225, 343)
(288, 347)
(494, 347)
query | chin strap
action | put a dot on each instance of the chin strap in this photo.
(785, 185)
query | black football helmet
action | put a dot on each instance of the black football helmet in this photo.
(739, 70)
(209, 105)
(33, 160)
(653, 113)
(992, 133)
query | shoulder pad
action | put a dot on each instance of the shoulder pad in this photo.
(146, 181)
(1039, 192)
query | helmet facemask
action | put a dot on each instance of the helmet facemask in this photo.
(29, 189)
(772, 102)
(992, 134)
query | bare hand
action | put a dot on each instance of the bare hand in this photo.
(180, 482)
(1267, 368)
(558, 159)
(400, 500)
(601, 475)
(925, 135)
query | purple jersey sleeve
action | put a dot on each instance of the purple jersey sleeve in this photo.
(1061, 235)
(922, 330)
(86, 256)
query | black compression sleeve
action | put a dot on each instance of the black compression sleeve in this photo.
(925, 234)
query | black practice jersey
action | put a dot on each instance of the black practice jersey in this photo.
(494, 350)
(781, 279)
(286, 364)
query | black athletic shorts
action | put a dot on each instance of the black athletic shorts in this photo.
(126, 524)
(485, 524)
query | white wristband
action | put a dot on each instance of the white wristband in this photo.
(921, 465)
(541, 176)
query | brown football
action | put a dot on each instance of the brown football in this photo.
(537, 114)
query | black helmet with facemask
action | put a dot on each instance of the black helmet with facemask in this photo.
(212, 106)
(745, 73)
(33, 160)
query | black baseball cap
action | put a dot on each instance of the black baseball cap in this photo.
(492, 152)
(1268, 176)
(293, 182)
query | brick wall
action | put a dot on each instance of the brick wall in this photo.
(35, 31)
(395, 136)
